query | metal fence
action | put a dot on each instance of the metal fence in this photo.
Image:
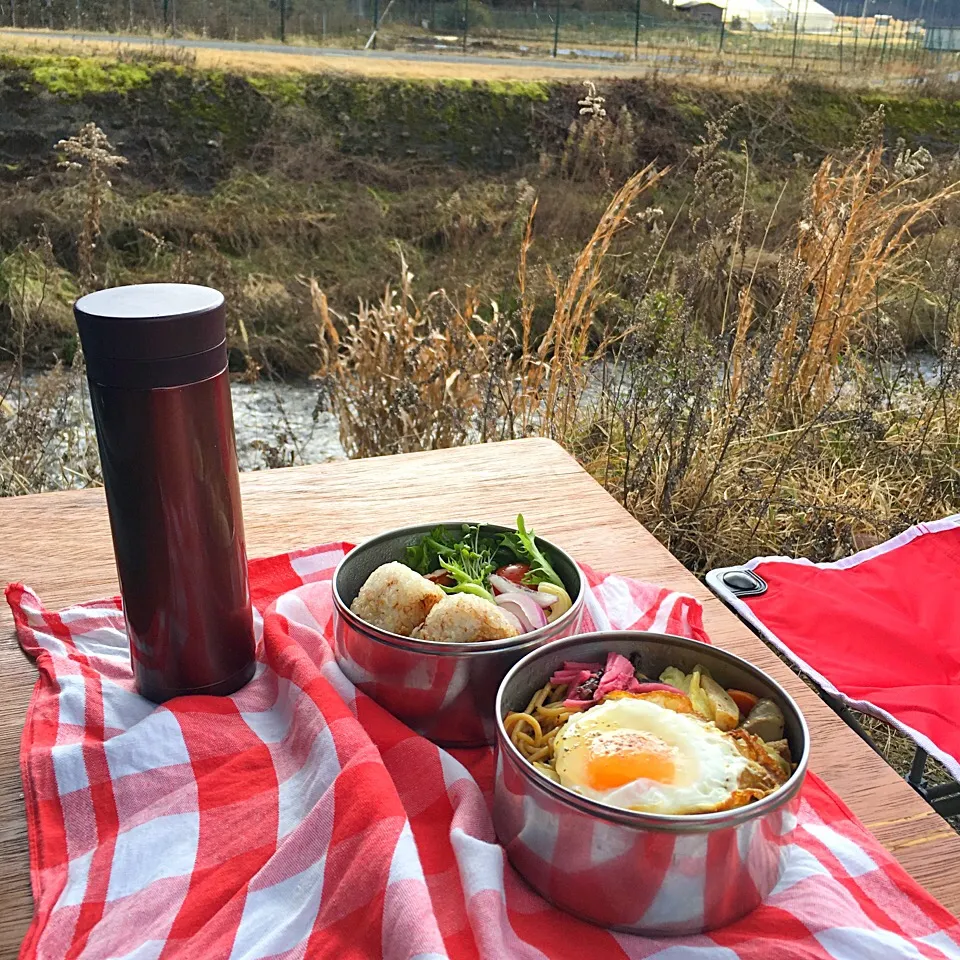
(555, 28)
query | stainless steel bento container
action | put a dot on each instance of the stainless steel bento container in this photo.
(445, 691)
(651, 874)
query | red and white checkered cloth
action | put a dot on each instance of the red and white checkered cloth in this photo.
(299, 819)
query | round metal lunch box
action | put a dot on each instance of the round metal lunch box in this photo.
(642, 873)
(444, 691)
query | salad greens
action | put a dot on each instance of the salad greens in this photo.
(471, 557)
(424, 555)
(524, 547)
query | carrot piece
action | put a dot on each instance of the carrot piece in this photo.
(745, 701)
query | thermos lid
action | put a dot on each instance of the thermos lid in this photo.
(152, 335)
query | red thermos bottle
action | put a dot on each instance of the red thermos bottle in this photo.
(157, 366)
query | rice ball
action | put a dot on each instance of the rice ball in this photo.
(464, 618)
(396, 598)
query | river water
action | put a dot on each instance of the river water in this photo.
(277, 423)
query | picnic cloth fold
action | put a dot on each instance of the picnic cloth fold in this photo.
(297, 818)
(879, 630)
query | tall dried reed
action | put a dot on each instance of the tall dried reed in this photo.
(402, 375)
(767, 433)
(853, 245)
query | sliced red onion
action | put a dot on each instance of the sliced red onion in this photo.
(503, 585)
(514, 621)
(530, 614)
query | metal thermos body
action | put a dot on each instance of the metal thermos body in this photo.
(157, 368)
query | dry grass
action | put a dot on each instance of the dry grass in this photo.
(861, 227)
(43, 444)
(781, 434)
(404, 375)
(790, 424)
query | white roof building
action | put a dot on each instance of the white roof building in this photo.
(812, 17)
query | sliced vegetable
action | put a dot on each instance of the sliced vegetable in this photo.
(676, 678)
(709, 699)
(511, 619)
(508, 586)
(781, 748)
(745, 701)
(697, 697)
(523, 545)
(582, 688)
(765, 721)
(525, 609)
(617, 675)
(514, 572)
(572, 667)
(724, 712)
(560, 601)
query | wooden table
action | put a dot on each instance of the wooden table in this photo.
(60, 545)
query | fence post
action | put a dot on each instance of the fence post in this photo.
(921, 39)
(843, 7)
(636, 33)
(796, 28)
(903, 32)
(466, 22)
(376, 17)
(556, 28)
(283, 21)
(723, 28)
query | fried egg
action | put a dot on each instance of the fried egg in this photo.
(635, 754)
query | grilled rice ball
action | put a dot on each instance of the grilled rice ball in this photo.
(396, 598)
(464, 618)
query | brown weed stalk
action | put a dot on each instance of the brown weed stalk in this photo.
(860, 230)
(402, 375)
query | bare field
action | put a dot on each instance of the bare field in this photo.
(254, 61)
(680, 63)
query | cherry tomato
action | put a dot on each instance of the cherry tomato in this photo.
(514, 572)
(441, 578)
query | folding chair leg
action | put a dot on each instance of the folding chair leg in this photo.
(948, 803)
(943, 797)
(915, 776)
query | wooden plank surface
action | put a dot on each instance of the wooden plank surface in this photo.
(60, 545)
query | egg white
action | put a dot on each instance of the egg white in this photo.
(707, 765)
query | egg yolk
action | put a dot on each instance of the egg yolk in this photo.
(617, 757)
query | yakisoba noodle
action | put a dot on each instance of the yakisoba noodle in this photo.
(533, 730)
(682, 744)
